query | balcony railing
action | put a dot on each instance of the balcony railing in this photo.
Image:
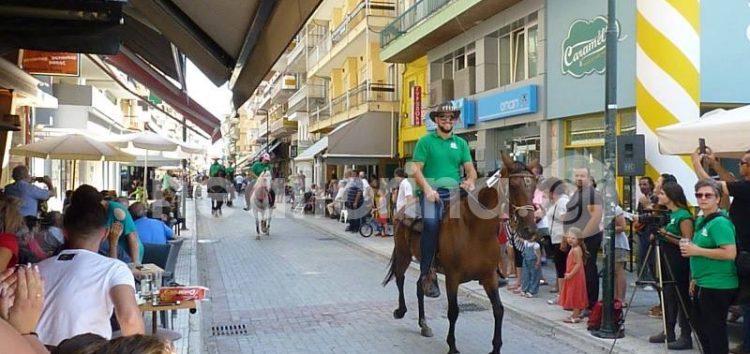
(297, 100)
(361, 11)
(364, 93)
(320, 113)
(410, 18)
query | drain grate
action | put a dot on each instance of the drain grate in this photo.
(239, 329)
(470, 307)
(326, 239)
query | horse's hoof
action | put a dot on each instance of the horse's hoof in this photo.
(257, 237)
(399, 313)
(426, 332)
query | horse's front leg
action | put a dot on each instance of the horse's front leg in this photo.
(490, 287)
(425, 329)
(451, 290)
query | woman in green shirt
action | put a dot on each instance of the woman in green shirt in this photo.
(675, 268)
(714, 284)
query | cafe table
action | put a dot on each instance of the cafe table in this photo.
(155, 309)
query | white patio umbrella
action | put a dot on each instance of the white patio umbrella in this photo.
(725, 131)
(73, 147)
(147, 141)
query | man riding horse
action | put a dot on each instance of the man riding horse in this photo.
(257, 168)
(438, 158)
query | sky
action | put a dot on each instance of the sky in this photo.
(217, 100)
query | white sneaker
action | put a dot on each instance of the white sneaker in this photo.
(648, 287)
(554, 300)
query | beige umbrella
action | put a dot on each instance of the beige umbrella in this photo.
(73, 147)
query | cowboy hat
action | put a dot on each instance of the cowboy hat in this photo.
(444, 108)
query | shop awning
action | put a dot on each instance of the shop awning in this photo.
(313, 150)
(25, 86)
(180, 101)
(372, 136)
(229, 40)
(150, 45)
(271, 148)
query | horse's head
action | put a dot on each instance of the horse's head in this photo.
(522, 184)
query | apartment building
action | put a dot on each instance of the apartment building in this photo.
(484, 56)
(352, 103)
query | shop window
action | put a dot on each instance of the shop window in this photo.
(518, 50)
(533, 51)
(459, 59)
(409, 149)
(585, 132)
(627, 122)
(448, 67)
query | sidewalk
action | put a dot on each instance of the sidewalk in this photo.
(186, 324)
(536, 311)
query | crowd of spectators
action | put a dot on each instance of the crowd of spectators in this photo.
(66, 283)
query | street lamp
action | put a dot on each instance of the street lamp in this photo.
(609, 329)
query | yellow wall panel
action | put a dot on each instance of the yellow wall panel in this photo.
(416, 73)
(337, 16)
(337, 82)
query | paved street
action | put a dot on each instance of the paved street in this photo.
(304, 291)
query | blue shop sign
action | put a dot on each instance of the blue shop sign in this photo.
(467, 118)
(507, 104)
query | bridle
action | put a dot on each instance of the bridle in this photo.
(516, 211)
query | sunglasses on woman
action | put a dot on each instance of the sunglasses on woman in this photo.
(704, 195)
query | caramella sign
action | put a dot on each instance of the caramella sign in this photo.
(584, 48)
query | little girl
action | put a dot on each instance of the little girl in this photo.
(573, 295)
(382, 212)
(532, 267)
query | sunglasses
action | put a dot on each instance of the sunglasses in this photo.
(704, 195)
(446, 118)
(742, 162)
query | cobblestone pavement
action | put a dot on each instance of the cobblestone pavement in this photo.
(304, 291)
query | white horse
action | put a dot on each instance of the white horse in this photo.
(261, 204)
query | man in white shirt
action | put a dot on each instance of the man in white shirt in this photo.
(405, 201)
(82, 287)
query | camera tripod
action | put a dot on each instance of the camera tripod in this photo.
(656, 246)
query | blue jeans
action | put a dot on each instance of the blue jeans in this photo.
(531, 274)
(432, 214)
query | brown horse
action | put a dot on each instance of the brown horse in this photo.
(467, 245)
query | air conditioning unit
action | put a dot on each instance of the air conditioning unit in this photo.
(464, 82)
(441, 91)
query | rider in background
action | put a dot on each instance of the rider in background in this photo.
(258, 167)
(438, 158)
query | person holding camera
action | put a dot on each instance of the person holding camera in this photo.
(739, 189)
(714, 275)
(29, 194)
(677, 282)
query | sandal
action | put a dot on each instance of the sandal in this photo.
(572, 319)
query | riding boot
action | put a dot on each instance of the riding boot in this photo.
(430, 285)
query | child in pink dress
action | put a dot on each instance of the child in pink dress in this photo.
(573, 295)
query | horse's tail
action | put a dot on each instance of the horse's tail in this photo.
(391, 268)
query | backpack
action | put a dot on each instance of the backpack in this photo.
(595, 317)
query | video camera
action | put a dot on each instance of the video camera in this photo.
(653, 220)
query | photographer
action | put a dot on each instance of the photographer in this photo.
(29, 194)
(680, 225)
(714, 284)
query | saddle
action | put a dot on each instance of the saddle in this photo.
(415, 222)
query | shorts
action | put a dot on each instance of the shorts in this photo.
(621, 255)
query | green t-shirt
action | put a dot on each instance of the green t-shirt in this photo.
(442, 159)
(214, 169)
(229, 171)
(128, 226)
(677, 217)
(714, 273)
(258, 167)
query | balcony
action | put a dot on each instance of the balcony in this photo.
(296, 59)
(367, 97)
(299, 101)
(283, 127)
(348, 39)
(283, 88)
(428, 23)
